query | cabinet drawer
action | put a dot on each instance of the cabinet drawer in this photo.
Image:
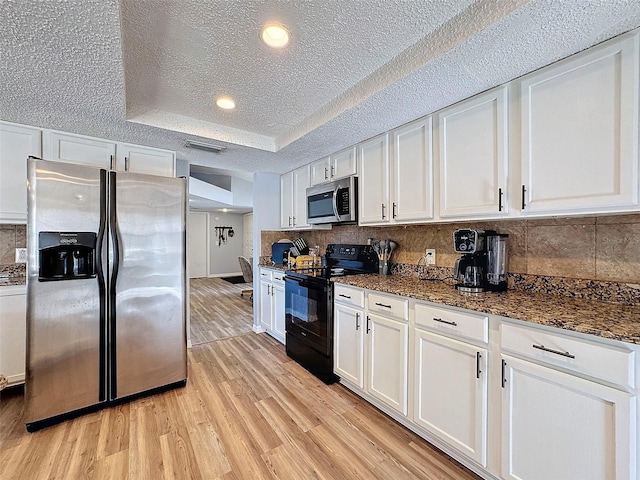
(348, 295)
(456, 324)
(266, 274)
(605, 362)
(388, 305)
(277, 276)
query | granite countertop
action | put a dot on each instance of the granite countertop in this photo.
(12, 281)
(607, 320)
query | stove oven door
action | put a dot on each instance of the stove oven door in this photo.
(308, 312)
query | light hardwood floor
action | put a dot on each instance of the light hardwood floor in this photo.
(247, 412)
(217, 310)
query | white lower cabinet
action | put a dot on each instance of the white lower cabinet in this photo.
(13, 333)
(348, 333)
(507, 399)
(450, 392)
(370, 348)
(272, 303)
(559, 426)
(387, 344)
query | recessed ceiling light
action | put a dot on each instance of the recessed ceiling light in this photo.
(226, 103)
(275, 35)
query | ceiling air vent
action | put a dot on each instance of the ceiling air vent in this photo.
(207, 147)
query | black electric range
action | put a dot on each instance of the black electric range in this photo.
(309, 306)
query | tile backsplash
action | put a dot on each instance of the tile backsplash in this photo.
(12, 237)
(604, 248)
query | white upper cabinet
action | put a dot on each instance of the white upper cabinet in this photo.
(579, 124)
(286, 200)
(412, 172)
(373, 187)
(96, 152)
(66, 147)
(17, 142)
(338, 165)
(293, 199)
(473, 156)
(139, 159)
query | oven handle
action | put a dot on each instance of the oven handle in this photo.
(304, 283)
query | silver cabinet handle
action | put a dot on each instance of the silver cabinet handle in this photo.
(383, 305)
(344, 296)
(112, 163)
(126, 164)
(333, 171)
(357, 321)
(453, 324)
(368, 329)
(504, 373)
(394, 210)
(268, 289)
(289, 220)
(524, 191)
(294, 221)
(325, 173)
(383, 216)
(557, 352)
(478, 371)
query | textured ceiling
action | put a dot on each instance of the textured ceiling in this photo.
(146, 71)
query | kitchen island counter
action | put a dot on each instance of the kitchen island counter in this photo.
(607, 320)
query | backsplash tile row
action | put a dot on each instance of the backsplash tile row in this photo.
(601, 248)
(11, 237)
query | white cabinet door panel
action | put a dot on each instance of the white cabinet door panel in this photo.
(555, 425)
(473, 156)
(373, 189)
(412, 172)
(349, 344)
(152, 161)
(343, 164)
(388, 350)
(580, 131)
(451, 393)
(13, 336)
(266, 318)
(17, 143)
(66, 147)
(278, 309)
(300, 185)
(286, 200)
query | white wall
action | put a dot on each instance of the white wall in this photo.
(247, 235)
(266, 216)
(223, 258)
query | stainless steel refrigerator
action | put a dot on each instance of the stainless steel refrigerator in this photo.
(106, 288)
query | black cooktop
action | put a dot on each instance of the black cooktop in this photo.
(342, 259)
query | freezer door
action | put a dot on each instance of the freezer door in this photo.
(148, 297)
(65, 331)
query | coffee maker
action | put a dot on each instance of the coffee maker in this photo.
(483, 263)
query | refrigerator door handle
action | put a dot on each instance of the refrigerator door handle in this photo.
(100, 253)
(115, 265)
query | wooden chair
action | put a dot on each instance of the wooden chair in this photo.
(247, 273)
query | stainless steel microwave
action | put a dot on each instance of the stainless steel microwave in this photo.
(333, 202)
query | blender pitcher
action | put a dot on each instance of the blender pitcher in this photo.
(497, 261)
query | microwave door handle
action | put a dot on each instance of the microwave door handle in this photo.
(335, 202)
